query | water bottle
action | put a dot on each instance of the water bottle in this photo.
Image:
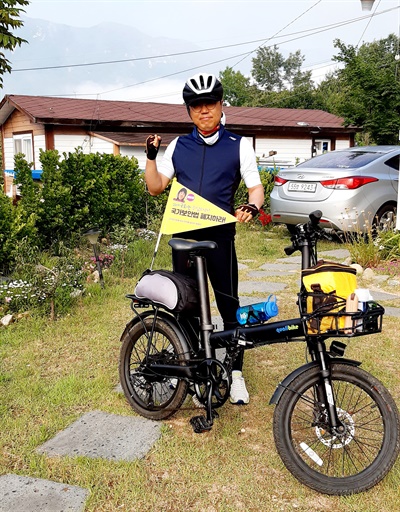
(364, 296)
(257, 313)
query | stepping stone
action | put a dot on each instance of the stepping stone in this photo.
(25, 494)
(260, 286)
(377, 295)
(242, 266)
(99, 435)
(245, 300)
(336, 253)
(290, 259)
(275, 267)
(392, 312)
(265, 274)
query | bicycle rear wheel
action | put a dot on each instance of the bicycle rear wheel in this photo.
(151, 395)
(332, 464)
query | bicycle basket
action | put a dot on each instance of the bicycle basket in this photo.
(335, 319)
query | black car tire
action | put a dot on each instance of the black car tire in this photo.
(385, 218)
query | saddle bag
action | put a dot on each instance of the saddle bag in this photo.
(176, 292)
(327, 286)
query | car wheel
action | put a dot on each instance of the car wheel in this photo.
(385, 219)
(291, 228)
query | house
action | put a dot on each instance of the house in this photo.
(279, 136)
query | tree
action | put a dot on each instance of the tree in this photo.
(9, 20)
(274, 82)
(328, 94)
(370, 88)
(237, 88)
(272, 72)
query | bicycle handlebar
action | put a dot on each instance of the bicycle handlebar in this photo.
(306, 234)
(315, 217)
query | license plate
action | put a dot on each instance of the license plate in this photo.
(295, 186)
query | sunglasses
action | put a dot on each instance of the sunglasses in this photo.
(198, 107)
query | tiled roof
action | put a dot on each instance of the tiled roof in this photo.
(43, 109)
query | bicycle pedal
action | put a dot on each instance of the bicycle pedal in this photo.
(200, 424)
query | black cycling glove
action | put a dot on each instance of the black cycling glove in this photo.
(249, 208)
(151, 149)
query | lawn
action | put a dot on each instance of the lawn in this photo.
(53, 372)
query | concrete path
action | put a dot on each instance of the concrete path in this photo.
(25, 494)
(99, 435)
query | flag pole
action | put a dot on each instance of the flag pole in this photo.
(155, 250)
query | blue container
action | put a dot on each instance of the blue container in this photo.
(257, 313)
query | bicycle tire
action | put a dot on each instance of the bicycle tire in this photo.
(326, 463)
(152, 396)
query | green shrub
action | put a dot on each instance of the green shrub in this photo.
(390, 243)
(6, 221)
(267, 180)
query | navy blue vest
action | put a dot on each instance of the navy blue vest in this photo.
(212, 171)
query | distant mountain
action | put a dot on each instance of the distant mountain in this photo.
(52, 44)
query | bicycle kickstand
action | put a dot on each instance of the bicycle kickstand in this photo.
(202, 423)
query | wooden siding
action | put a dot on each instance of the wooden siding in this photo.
(19, 123)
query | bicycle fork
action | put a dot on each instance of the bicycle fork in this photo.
(324, 390)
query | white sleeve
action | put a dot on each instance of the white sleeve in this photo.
(166, 166)
(248, 164)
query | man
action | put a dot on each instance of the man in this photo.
(211, 161)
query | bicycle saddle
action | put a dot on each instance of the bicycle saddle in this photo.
(181, 244)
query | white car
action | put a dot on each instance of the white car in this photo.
(355, 188)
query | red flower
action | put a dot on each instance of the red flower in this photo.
(265, 218)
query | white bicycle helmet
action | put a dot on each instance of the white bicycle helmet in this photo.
(202, 86)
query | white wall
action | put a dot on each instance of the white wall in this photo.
(342, 144)
(8, 151)
(289, 151)
(138, 152)
(68, 144)
(39, 142)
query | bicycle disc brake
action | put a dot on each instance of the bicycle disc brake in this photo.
(340, 440)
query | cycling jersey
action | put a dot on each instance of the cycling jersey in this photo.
(212, 166)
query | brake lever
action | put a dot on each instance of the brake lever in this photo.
(322, 233)
(289, 250)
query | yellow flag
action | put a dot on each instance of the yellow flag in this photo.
(186, 211)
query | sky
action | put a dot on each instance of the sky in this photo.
(308, 25)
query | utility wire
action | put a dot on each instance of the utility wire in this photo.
(279, 31)
(192, 52)
(226, 59)
(367, 25)
(305, 33)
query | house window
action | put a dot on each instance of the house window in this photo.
(322, 146)
(23, 144)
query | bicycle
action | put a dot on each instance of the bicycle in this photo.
(335, 426)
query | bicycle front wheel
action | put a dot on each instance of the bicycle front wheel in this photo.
(353, 461)
(152, 395)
